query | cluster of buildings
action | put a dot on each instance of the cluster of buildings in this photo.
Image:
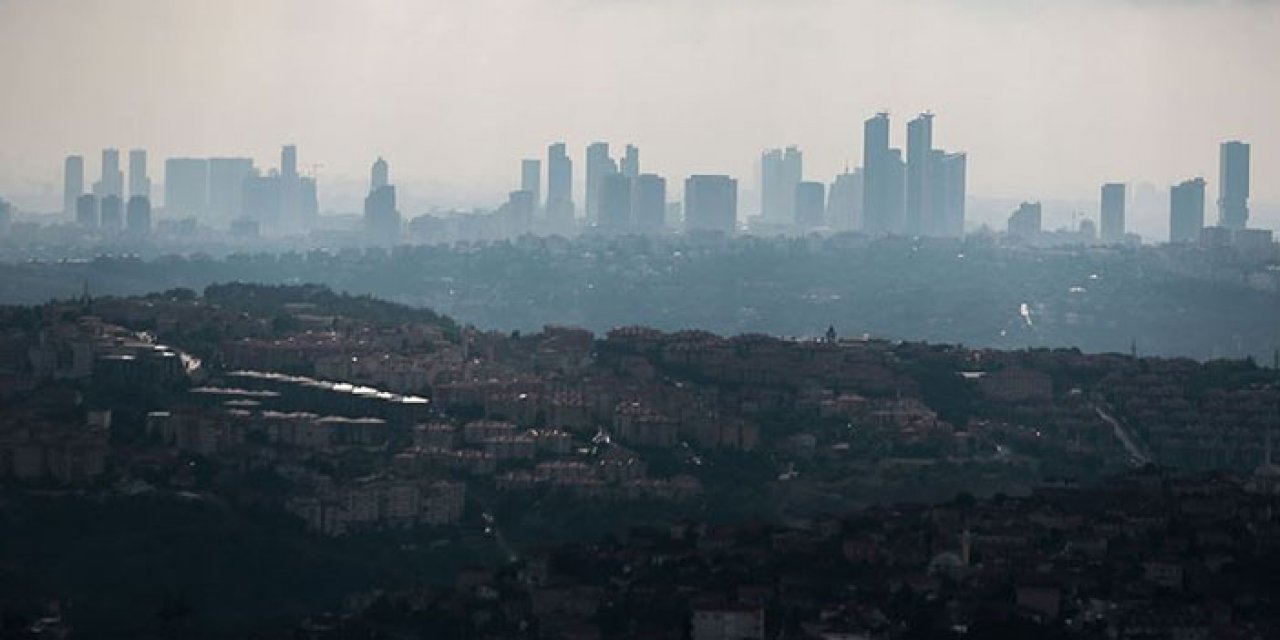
(1186, 213)
(225, 192)
(1142, 555)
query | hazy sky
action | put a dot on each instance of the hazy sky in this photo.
(1050, 98)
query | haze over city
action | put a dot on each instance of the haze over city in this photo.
(1049, 99)
(639, 319)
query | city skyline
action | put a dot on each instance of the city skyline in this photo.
(448, 158)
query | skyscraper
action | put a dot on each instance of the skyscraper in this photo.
(381, 218)
(919, 211)
(291, 218)
(599, 164)
(72, 184)
(111, 213)
(1233, 185)
(711, 203)
(948, 173)
(531, 180)
(884, 181)
(649, 203)
(87, 211)
(615, 203)
(780, 171)
(1113, 226)
(844, 204)
(631, 162)
(186, 187)
(810, 204)
(139, 181)
(227, 177)
(1186, 211)
(138, 217)
(560, 213)
(378, 175)
(112, 180)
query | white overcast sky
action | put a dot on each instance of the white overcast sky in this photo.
(1050, 98)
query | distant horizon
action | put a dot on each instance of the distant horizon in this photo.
(1049, 99)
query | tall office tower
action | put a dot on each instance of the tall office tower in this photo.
(875, 154)
(1024, 224)
(261, 203)
(780, 171)
(560, 213)
(1113, 227)
(893, 185)
(631, 162)
(87, 211)
(1233, 185)
(649, 203)
(186, 187)
(72, 184)
(810, 204)
(226, 188)
(711, 204)
(111, 213)
(381, 218)
(378, 176)
(949, 208)
(138, 216)
(615, 203)
(599, 165)
(139, 181)
(919, 212)
(309, 201)
(290, 219)
(519, 209)
(6, 216)
(844, 205)
(531, 180)
(289, 161)
(1186, 211)
(112, 180)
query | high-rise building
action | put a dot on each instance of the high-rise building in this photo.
(112, 180)
(878, 220)
(519, 210)
(615, 203)
(1113, 226)
(810, 204)
(560, 213)
(186, 187)
(111, 213)
(87, 211)
(138, 217)
(844, 204)
(72, 184)
(1186, 211)
(378, 175)
(599, 165)
(631, 162)
(780, 171)
(226, 188)
(6, 216)
(381, 218)
(291, 218)
(289, 161)
(1024, 224)
(919, 207)
(711, 203)
(260, 207)
(531, 180)
(893, 186)
(649, 203)
(139, 181)
(1233, 185)
(949, 211)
